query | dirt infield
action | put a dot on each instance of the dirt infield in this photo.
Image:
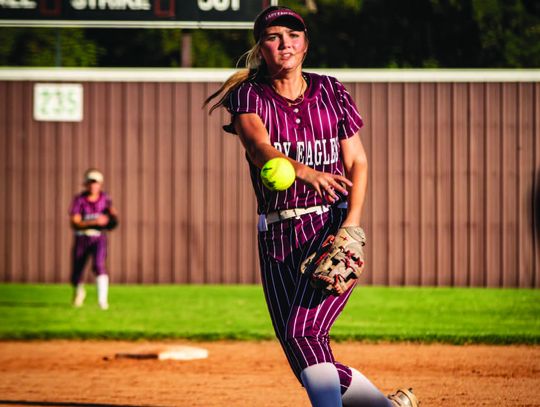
(71, 373)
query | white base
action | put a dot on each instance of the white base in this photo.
(166, 353)
(183, 353)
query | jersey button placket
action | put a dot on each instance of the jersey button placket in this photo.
(297, 117)
(297, 120)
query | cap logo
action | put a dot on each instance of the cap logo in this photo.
(279, 13)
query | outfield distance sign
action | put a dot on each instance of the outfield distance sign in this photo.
(58, 102)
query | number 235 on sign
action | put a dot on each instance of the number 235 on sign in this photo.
(58, 102)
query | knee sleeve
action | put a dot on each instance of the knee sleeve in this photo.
(363, 393)
(322, 385)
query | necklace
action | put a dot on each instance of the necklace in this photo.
(299, 99)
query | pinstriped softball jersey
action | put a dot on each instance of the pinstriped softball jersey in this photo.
(309, 132)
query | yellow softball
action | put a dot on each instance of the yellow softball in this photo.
(278, 174)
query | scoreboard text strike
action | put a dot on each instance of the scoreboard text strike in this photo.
(132, 13)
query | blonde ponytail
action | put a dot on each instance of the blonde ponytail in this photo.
(254, 65)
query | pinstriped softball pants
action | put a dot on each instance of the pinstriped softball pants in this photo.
(301, 315)
(84, 247)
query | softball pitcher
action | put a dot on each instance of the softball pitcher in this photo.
(280, 111)
(91, 214)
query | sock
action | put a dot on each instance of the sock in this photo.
(102, 282)
(322, 384)
(363, 393)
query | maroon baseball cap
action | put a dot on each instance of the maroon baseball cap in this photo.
(276, 15)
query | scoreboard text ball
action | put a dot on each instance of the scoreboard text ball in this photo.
(132, 13)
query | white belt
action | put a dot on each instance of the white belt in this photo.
(88, 232)
(278, 216)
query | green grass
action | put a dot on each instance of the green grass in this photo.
(500, 316)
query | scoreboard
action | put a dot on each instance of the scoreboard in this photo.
(132, 13)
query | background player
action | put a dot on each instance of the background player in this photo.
(280, 111)
(91, 211)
